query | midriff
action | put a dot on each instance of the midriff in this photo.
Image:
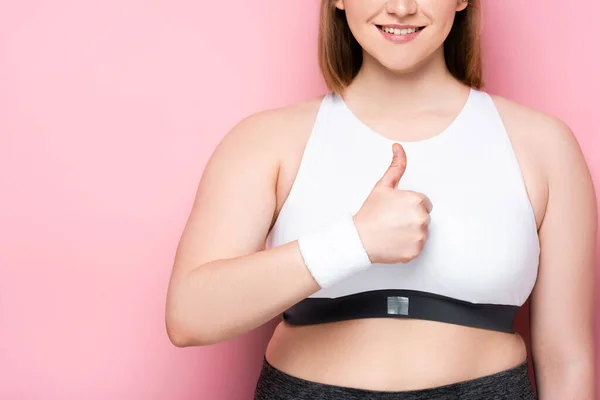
(390, 354)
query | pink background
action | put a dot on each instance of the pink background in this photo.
(109, 111)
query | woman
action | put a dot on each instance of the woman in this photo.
(407, 216)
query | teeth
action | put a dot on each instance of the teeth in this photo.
(396, 31)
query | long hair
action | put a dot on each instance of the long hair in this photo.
(340, 55)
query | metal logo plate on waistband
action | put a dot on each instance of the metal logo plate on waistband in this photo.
(397, 305)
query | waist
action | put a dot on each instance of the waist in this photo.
(392, 354)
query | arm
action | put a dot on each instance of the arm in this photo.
(222, 283)
(562, 302)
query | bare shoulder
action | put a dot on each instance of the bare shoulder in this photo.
(546, 148)
(547, 135)
(270, 131)
(271, 142)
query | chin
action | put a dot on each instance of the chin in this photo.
(400, 66)
(403, 62)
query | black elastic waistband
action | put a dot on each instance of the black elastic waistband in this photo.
(402, 303)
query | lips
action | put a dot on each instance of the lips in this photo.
(399, 33)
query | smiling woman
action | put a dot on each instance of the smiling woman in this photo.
(398, 223)
(453, 27)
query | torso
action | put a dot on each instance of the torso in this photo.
(399, 354)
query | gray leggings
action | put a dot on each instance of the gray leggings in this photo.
(512, 383)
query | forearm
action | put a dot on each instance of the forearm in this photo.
(225, 298)
(567, 381)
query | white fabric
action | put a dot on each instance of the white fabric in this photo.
(334, 251)
(483, 245)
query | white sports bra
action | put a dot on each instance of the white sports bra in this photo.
(480, 261)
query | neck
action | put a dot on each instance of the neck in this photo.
(428, 85)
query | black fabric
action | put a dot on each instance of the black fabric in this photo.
(511, 384)
(418, 304)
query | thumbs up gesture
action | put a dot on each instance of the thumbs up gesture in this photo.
(393, 224)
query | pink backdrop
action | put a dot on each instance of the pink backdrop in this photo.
(109, 111)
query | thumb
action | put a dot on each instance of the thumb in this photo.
(391, 177)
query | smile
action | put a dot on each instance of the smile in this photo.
(399, 34)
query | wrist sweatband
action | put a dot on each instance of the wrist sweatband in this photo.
(334, 251)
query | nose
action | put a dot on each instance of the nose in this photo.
(401, 7)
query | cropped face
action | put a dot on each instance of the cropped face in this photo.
(401, 34)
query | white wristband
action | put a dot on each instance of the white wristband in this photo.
(334, 252)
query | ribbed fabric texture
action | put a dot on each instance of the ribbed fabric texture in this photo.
(334, 251)
(513, 383)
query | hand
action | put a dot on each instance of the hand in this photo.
(393, 224)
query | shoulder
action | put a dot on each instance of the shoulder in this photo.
(547, 136)
(553, 146)
(543, 129)
(275, 125)
(264, 136)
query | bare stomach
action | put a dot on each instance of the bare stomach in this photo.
(392, 354)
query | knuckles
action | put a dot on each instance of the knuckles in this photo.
(417, 198)
(421, 221)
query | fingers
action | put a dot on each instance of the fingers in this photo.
(427, 204)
